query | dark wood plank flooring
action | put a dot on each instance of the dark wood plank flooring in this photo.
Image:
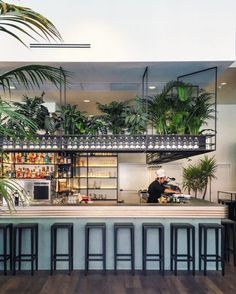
(122, 283)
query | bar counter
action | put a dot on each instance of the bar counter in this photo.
(194, 212)
(195, 208)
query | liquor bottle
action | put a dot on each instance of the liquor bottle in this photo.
(46, 159)
(47, 172)
(64, 173)
(23, 158)
(33, 174)
(52, 172)
(19, 158)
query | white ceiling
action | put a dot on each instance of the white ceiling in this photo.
(106, 81)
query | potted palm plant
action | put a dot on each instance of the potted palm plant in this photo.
(196, 177)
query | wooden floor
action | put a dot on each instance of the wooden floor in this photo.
(122, 283)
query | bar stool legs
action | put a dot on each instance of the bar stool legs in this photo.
(175, 256)
(230, 227)
(124, 256)
(218, 256)
(157, 256)
(95, 256)
(18, 231)
(7, 250)
(65, 256)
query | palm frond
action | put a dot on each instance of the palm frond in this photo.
(34, 22)
(34, 75)
(24, 124)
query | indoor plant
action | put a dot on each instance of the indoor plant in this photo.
(178, 109)
(73, 121)
(136, 117)
(113, 114)
(31, 107)
(197, 176)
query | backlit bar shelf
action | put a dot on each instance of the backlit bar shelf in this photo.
(111, 143)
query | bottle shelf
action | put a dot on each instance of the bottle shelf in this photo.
(110, 143)
(97, 166)
(36, 164)
(96, 177)
(91, 188)
(107, 199)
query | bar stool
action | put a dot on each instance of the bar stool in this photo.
(124, 256)
(95, 256)
(203, 229)
(175, 257)
(65, 256)
(18, 231)
(229, 226)
(157, 256)
(4, 257)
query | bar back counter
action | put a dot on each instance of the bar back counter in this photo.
(194, 213)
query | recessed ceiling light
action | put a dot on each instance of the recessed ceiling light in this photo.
(86, 100)
(219, 87)
(152, 87)
(223, 83)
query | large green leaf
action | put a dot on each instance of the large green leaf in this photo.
(34, 75)
(25, 20)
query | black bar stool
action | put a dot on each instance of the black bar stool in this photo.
(4, 257)
(232, 210)
(175, 257)
(18, 231)
(157, 256)
(205, 257)
(230, 226)
(95, 256)
(124, 256)
(65, 256)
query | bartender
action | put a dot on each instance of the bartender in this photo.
(156, 188)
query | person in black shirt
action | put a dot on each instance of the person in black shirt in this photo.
(156, 188)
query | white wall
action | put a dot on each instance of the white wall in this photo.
(151, 30)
